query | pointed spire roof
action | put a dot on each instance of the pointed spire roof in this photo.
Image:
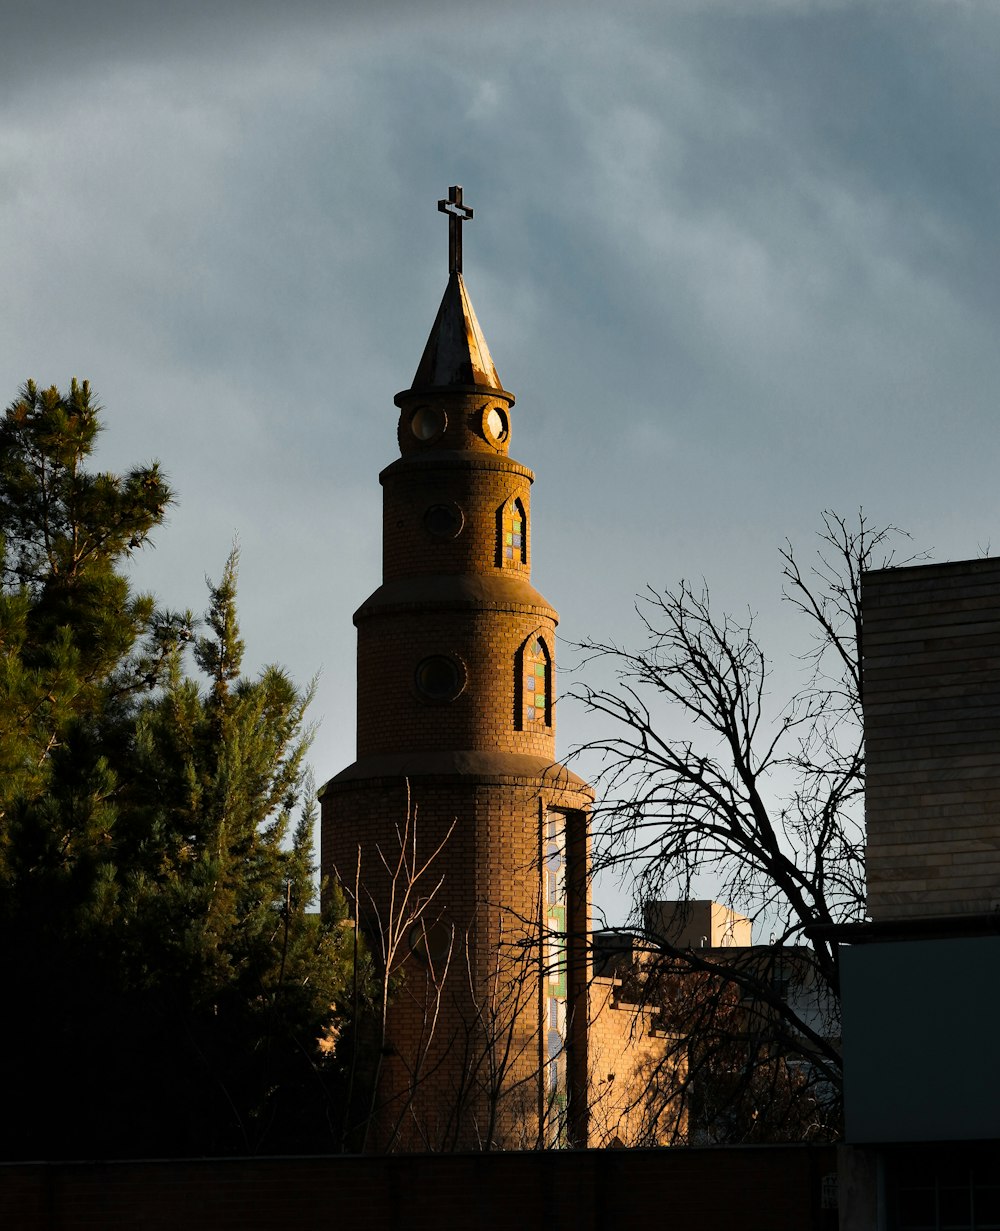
(456, 353)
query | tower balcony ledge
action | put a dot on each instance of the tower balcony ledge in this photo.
(456, 459)
(479, 389)
(456, 591)
(492, 767)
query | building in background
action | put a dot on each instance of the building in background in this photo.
(724, 1061)
(921, 980)
(689, 923)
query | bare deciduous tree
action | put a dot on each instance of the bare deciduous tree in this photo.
(412, 884)
(703, 779)
(453, 1057)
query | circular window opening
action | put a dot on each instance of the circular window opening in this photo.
(431, 942)
(496, 425)
(428, 422)
(439, 678)
(444, 521)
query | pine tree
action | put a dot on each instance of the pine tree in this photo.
(71, 628)
(254, 979)
(168, 991)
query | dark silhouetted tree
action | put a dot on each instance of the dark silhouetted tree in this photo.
(708, 780)
(166, 989)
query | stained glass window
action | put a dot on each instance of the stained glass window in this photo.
(554, 988)
(513, 534)
(536, 684)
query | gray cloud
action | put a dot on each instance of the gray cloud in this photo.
(737, 262)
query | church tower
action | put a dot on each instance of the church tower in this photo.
(460, 841)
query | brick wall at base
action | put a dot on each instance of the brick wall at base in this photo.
(752, 1188)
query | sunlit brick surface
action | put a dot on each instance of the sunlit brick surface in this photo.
(436, 830)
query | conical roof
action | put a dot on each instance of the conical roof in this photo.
(456, 353)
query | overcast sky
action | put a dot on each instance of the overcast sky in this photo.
(738, 262)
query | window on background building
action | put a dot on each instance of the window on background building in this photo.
(944, 1188)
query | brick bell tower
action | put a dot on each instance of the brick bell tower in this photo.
(460, 841)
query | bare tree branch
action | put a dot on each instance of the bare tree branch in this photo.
(702, 777)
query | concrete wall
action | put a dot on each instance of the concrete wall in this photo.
(696, 924)
(921, 1061)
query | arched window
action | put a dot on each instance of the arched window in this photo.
(513, 551)
(536, 684)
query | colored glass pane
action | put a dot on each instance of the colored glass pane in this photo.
(513, 537)
(537, 684)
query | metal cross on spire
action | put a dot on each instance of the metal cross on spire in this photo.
(458, 212)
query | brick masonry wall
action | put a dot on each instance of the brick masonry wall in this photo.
(753, 1188)
(932, 719)
(482, 617)
(627, 1064)
(464, 414)
(464, 1056)
(451, 1019)
(393, 717)
(478, 487)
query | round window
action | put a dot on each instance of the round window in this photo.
(444, 521)
(495, 425)
(431, 942)
(439, 678)
(428, 422)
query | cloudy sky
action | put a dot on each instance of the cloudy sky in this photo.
(737, 259)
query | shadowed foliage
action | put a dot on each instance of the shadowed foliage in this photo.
(167, 990)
